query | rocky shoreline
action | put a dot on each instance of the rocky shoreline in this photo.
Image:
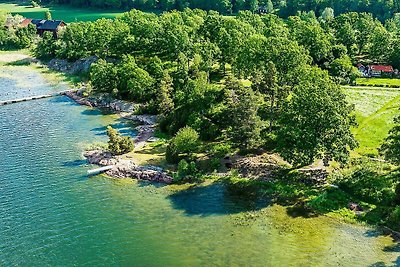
(122, 167)
(148, 123)
(126, 168)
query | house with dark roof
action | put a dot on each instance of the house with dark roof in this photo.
(48, 26)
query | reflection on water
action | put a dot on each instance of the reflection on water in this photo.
(52, 214)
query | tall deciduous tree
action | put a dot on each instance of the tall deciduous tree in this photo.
(244, 122)
(315, 121)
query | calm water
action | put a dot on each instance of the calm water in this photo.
(52, 214)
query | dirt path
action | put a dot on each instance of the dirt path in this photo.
(13, 56)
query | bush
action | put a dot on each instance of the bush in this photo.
(118, 144)
(185, 142)
(394, 217)
(221, 150)
(103, 76)
(47, 46)
(397, 194)
(186, 171)
(34, 4)
(370, 183)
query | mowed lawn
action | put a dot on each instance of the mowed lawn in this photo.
(375, 112)
(377, 81)
(66, 13)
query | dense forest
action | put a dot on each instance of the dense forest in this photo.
(191, 67)
(382, 9)
(246, 79)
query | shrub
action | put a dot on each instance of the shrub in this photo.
(47, 15)
(221, 150)
(47, 46)
(34, 4)
(186, 171)
(395, 216)
(185, 142)
(369, 182)
(118, 144)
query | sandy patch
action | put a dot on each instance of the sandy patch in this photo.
(11, 57)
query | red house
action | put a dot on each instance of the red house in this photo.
(380, 71)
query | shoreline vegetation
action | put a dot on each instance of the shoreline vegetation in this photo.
(257, 176)
(229, 110)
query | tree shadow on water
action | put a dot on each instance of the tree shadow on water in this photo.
(296, 211)
(74, 163)
(215, 199)
(96, 112)
(123, 128)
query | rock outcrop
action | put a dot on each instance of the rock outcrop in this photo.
(79, 66)
(261, 167)
(125, 168)
(102, 101)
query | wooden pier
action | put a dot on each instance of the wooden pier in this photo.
(30, 98)
(99, 170)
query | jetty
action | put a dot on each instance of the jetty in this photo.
(30, 98)
(99, 170)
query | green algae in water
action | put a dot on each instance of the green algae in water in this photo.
(52, 214)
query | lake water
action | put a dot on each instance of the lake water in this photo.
(51, 214)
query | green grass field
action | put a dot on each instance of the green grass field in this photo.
(375, 111)
(66, 13)
(377, 81)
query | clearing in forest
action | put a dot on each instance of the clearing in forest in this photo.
(375, 112)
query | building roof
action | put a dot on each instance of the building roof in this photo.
(25, 23)
(381, 68)
(50, 24)
(43, 24)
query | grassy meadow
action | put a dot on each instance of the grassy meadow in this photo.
(375, 111)
(378, 82)
(66, 13)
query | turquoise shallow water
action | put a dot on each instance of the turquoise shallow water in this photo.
(52, 214)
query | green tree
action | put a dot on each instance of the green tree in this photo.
(315, 121)
(394, 57)
(133, 81)
(328, 14)
(185, 142)
(253, 5)
(265, 80)
(103, 77)
(270, 7)
(118, 144)
(381, 44)
(244, 125)
(165, 103)
(47, 15)
(343, 69)
(47, 46)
